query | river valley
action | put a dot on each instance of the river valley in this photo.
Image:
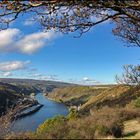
(49, 110)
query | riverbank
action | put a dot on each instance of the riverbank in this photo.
(25, 107)
(75, 96)
(28, 111)
(49, 110)
(67, 105)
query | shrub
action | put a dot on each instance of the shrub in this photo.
(103, 123)
(129, 113)
(101, 130)
(117, 130)
(6, 120)
(137, 102)
(73, 114)
(51, 124)
(107, 122)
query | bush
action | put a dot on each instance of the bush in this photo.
(107, 122)
(129, 113)
(117, 130)
(137, 102)
(101, 130)
(51, 124)
(73, 114)
(103, 123)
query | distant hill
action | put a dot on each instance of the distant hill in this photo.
(41, 85)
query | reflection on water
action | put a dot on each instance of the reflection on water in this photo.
(49, 110)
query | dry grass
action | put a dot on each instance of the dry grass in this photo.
(132, 129)
(104, 123)
(7, 119)
(75, 95)
(118, 96)
(5, 123)
(106, 94)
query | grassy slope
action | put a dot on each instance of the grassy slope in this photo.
(75, 95)
(117, 96)
(105, 97)
(93, 97)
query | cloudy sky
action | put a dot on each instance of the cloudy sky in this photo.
(95, 58)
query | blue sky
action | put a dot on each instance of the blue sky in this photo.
(94, 58)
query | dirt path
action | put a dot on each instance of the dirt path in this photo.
(132, 129)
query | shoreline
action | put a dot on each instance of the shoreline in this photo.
(32, 109)
(68, 106)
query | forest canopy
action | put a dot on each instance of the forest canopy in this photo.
(78, 15)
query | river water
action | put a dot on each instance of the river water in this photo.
(49, 110)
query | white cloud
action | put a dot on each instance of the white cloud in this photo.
(89, 81)
(31, 43)
(7, 38)
(36, 75)
(13, 65)
(41, 76)
(29, 22)
(7, 74)
(12, 40)
(86, 79)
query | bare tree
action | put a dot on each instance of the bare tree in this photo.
(78, 15)
(131, 75)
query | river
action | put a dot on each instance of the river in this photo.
(49, 110)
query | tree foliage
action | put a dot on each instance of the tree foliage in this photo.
(78, 15)
(131, 75)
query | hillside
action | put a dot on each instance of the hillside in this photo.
(93, 97)
(118, 96)
(75, 95)
(41, 85)
(106, 123)
(14, 96)
(105, 112)
(9, 96)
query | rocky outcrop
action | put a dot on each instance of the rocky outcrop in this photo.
(28, 111)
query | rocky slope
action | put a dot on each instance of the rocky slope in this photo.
(11, 95)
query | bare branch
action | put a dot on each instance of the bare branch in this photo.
(76, 15)
(131, 75)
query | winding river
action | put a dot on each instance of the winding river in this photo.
(49, 110)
